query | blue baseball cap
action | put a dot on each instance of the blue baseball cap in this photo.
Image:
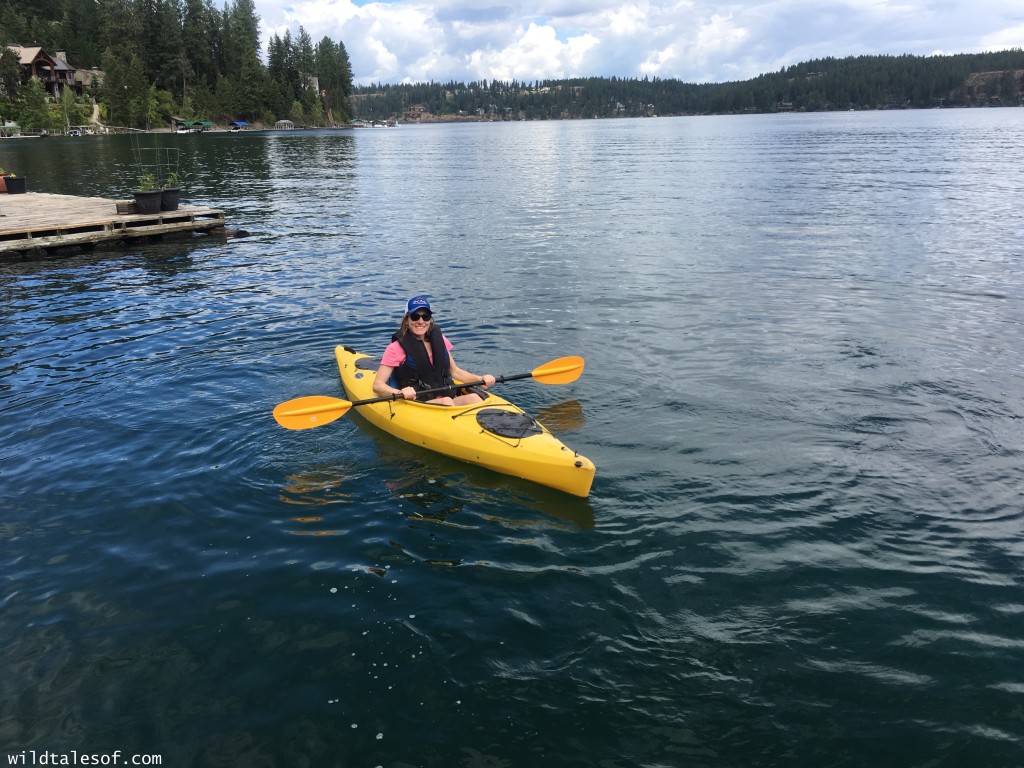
(417, 302)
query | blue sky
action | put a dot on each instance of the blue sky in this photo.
(395, 41)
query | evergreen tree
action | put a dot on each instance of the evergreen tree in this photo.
(114, 91)
(241, 41)
(199, 41)
(10, 74)
(137, 94)
(121, 28)
(335, 73)
(70, 109)
(165, 46)
(35, 112)
(252, 90)
(80, 26)
(277, 58)
(303, 59)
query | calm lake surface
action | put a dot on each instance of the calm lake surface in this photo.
(804, 395)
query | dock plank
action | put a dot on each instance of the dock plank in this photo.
(42, 220)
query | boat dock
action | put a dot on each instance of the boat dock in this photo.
(37, 223)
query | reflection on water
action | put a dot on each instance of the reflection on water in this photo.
(429, 487)
(320, 486)
(562, 417)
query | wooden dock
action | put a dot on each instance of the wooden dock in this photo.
(37, 223)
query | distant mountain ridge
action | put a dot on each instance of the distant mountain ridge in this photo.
(830, 84)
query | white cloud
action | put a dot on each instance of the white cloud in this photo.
(658, 61)
(629, 19)
(536, 54)
(693, 40)
(1011, 37)
(384, 65)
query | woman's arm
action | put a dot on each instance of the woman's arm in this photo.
(461, 375)
(382, 388)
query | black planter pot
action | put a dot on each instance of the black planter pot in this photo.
(147, 202)
(169, 198)
(15, 185)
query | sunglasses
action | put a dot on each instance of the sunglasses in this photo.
(420, 316)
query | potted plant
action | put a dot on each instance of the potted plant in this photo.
(170, 194)
(147, 195)
(15, 184)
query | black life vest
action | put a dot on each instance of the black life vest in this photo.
(418, 372)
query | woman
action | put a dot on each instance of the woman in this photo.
(420, 358)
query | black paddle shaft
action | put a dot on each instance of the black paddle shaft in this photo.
(398, 395)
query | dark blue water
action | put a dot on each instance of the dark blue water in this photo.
(803, 393)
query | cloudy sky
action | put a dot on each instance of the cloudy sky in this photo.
(393, 41)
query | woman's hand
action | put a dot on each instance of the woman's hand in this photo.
(488, 380)
(408, 393)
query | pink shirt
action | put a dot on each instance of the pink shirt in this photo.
(394, 355)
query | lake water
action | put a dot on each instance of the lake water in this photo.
(803, 392)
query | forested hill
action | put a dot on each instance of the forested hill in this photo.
(861, 82)
(180, 57)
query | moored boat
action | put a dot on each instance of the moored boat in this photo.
(495, 433)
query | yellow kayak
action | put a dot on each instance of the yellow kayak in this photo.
(494, 434)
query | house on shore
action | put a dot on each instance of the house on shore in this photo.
(53, 70)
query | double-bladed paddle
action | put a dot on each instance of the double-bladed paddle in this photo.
(317, 410)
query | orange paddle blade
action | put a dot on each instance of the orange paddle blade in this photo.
(309, 412)
(564, 370)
